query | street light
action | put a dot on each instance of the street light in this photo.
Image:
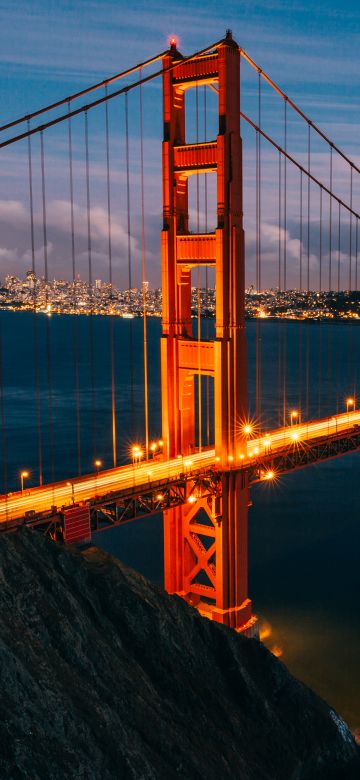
(349, 402)
(137, 453)
(23, 475)
(294, 417)
(71, 484)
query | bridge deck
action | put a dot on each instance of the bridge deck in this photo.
(130, 477)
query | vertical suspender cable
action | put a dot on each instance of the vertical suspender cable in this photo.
(111, 317)
(198, 283)
(4, 488)
(300, 285)
(356, 253)
(307, 360)
(207, 380)
(279, 285)
(91, 290)
(330, 217)
(337, 318)
(143, 278)
(330, 282)
(285, 258)
(75, 319)
(48, 331)
(35, 321)
(356, 285)
(350, 328)
(131, 356)
(258, 258)
(350, 228)
(319, 325)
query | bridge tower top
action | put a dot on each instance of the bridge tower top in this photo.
(223, 249)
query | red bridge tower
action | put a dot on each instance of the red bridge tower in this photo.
(206, 560)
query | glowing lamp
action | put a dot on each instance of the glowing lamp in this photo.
(269, 475)
(98, 463)
(295, 436)
(247, 428)
(191, 499)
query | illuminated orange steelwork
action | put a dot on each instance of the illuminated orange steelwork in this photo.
(211, 575)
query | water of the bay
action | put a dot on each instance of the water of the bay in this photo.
(304, 530)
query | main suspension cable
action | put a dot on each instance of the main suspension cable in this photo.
(110, 96)
(105, 83)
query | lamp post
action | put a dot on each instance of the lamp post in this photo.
(349, 403)
(71, 484)
(137, 454)
(97, 464)
(294, 417)
(23, 475)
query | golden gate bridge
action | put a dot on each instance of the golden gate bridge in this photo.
(215, 443)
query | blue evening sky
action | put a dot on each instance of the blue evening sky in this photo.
(50, 49)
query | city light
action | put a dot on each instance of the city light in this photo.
(295, 436)
(159, 497)
(230, 458)
(191, 499)
(247, 428)
(294, 416)
(98, 463)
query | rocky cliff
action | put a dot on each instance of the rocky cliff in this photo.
(105, 676)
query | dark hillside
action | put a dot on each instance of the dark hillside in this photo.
(105, 676)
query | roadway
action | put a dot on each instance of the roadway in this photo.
(65, 493)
